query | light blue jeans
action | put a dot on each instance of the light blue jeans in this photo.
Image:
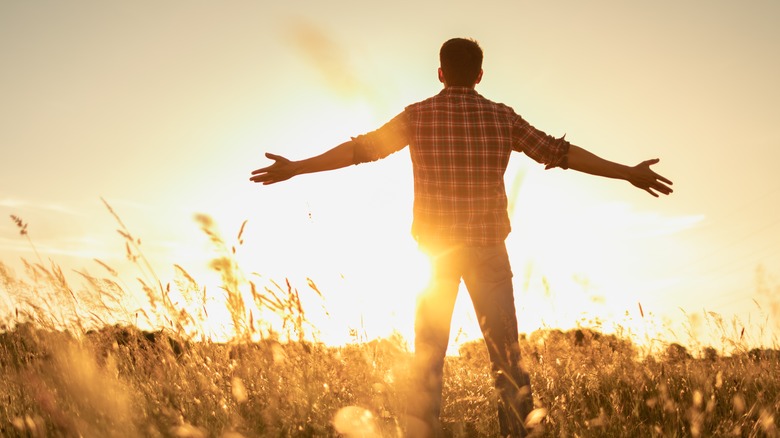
(488, 277)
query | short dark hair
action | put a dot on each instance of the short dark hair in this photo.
(461, 61)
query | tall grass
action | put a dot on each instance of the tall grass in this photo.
(76, 362)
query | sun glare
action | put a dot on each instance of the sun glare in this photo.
(347, 232)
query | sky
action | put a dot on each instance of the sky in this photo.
(164, 108)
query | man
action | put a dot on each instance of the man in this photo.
(460, 143)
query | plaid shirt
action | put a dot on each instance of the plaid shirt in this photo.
(460, 144)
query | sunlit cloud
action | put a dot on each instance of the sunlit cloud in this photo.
(85, 247)
(331, 60)
(69, 209)
(61, 231)
(14, 245)
(13, 203)
(127, 203)
(622, 216)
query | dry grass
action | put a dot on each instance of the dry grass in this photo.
(69, 370)
(120, 381)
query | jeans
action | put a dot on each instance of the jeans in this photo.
(488, 278)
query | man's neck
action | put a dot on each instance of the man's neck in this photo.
(473, 87)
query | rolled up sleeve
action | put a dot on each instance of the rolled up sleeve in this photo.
(375, 145)
(542, 148)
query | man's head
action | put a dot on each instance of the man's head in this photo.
(461, 63)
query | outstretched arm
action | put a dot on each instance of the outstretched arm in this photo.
(284, 169)
(391, 137)
(640, 175)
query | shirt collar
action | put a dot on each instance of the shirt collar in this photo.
(456, 89)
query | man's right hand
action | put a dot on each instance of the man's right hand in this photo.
(641, 176)
(282, 169)
(644, 178)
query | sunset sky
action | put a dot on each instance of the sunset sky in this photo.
(164, 109)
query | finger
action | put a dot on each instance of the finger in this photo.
(260, 178)
(668, 181)
(274, 156)
(659, 185)
(262, 170)
(269, 178)
(662, 188)
(651, 162)
(264, 182)
(651, 192)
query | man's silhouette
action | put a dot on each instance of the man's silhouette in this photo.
(460, 143)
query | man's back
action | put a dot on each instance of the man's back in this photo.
(460, 144)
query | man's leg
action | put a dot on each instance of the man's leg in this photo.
(488, 277)
(432, 332)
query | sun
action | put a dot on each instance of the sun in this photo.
(346, 231)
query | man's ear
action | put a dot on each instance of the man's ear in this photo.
(479, 77)
(441, 77)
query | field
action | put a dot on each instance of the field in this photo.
(122, 382)
(67, 372)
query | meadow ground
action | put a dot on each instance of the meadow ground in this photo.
(122, 382)
(66, 372)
